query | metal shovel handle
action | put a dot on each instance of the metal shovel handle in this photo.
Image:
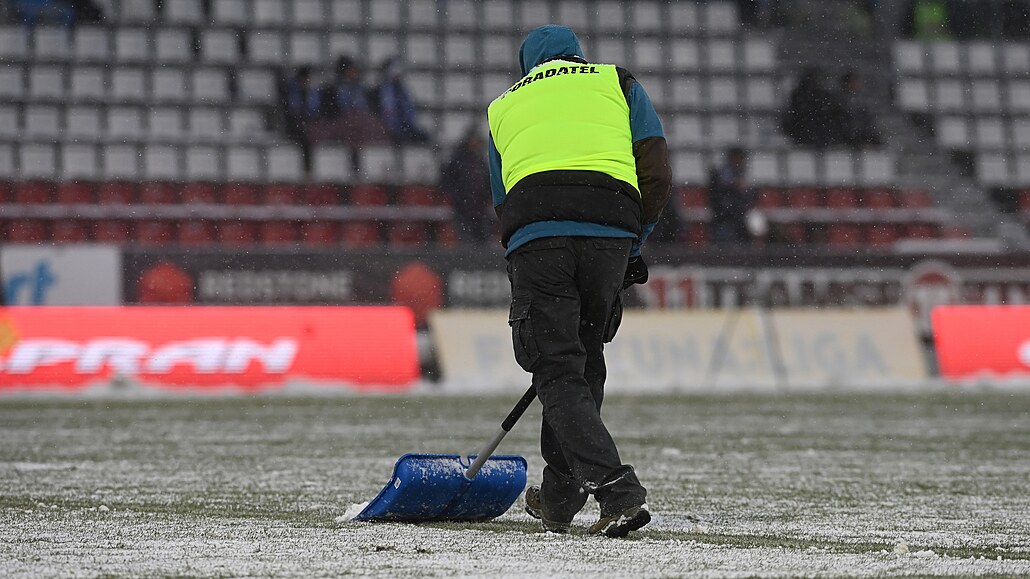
(506, 426)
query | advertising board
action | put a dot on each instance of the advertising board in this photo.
(982, 341)
(250, 347)
(705, 350)
(61, 275)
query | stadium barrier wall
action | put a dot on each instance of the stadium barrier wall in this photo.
(983, 342)
(247, 347)
(680, 279)
(724, 350)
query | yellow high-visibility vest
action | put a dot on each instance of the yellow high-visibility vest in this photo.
(564, 116)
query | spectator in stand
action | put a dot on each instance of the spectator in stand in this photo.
(348, 110)
(87, 12)
(395, 106)
(348, 94)
(66, 12)
(301, 104)
(466, 181)
(927, 20)
(813, 112)
(858, 124)
(732, 201)
(33, 12)
(760, 13)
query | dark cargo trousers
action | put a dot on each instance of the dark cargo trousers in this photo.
(565, 306)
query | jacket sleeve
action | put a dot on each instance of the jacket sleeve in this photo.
(496, 181)
(651, 153)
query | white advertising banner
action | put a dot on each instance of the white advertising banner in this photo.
(702, 351)
(78, 275)
(653, 352)
(829, 348)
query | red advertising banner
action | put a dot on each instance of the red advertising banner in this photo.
(982, 340)
(250, 347)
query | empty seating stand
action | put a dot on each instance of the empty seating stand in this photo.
(162, 121)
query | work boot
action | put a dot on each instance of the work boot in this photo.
(535, 509)
(621, 523)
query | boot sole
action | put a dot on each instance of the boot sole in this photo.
(613, 527)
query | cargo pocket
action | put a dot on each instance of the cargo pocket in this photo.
(614, 319)
(523, 339)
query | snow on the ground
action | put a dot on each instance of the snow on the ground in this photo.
(810, 485)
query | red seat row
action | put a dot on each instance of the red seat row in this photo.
(115, 193)
(1024, 201)
(231, 233)
(803, 198)
(698, 234)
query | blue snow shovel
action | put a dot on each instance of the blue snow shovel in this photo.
(445, 487)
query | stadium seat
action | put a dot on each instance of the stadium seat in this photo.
(406, 234)
(158, 194)
(169, 85)
(920, 231)
(33, 192)
(321, 195)
(445, 234)
(377, 165)
(319, 233)
(1024, 202)
(279, 194)
(91, 44)
(915, 199)
(239, 194)
(843, 235)
(244, 165)
(793, 233)
(112, 231)
(331, 164)
(367, 195)
(79, 161)
(37, 161)
(71, 193)
(116, 193)
(285, 164)
(697, 234)
(199, 193)
(308, 13)
(956, 231)
(880, 234)
(173, 45)
(277, 232)
(203, 164)
(417, 196)
(236, 233)
(693, 197)
(152, 232)
(231, 12)
(841, 199)
(802, 198)
(194, 232)
(360, 234)
(878, 199)
(26, 231)
(131, 45)
(769, 198)
(69, 231)
(5, 192)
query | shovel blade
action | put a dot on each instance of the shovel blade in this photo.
(433, 487)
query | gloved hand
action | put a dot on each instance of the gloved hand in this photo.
(636, 272)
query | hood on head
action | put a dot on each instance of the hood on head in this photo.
(546, 42)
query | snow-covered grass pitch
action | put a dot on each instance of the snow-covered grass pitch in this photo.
(930, 483)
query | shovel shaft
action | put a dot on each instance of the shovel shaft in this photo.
(506, 426)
